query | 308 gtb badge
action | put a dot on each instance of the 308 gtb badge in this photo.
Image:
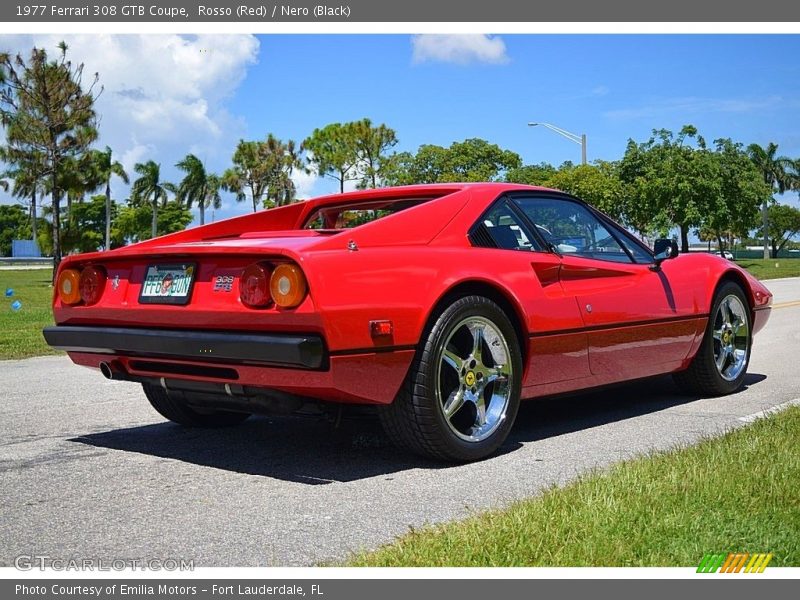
(223, 283)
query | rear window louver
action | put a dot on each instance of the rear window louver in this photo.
(481, 237)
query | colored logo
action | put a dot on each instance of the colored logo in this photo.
(734, 562)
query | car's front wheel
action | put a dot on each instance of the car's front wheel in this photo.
(720, 365)
(175, 406)
(462, 393)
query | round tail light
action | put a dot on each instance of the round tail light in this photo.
(68, 286)
(254, 286)
(288, 285)
(92, 284)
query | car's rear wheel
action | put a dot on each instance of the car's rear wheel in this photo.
(720, 365)
(175, 406)
(462, 393)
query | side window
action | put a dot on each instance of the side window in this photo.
(501, 228)
(640, 255)
(572, 229)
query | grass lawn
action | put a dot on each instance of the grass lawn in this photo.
(21, 330)
(738, 492)
(771, 268)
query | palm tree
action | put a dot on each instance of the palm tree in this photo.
(105, 168)
(149, 188)
(24, 184)
(263, 168)
(283, 188)
(76, 178)
(198, 186)
(777, 173)
(27, 183)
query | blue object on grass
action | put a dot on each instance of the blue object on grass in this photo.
(9, 292)
(16, 305)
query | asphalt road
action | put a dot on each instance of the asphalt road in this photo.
(89, 470)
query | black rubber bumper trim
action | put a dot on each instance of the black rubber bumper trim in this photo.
(305, 351)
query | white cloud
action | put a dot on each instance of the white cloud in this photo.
(304, 183)
(163, 96)
(459, 49)
(134, 154)
(600, 90)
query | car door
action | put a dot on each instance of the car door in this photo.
(557, 348)
(637, 322)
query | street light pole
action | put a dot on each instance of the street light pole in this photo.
(583, 148)
(573, 137)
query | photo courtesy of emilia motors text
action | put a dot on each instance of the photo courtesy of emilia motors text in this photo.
(414, 299)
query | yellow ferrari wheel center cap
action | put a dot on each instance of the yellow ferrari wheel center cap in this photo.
(470, 378)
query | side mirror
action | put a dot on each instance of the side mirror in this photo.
(664, 249)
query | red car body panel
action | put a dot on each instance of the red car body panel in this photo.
(582, 322)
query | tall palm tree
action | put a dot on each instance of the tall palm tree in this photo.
(148, 188)
(778, 175)
(198, 186)
(282, 188)
(24, 184)
(25, 180)
(212, 195)
(105, 168)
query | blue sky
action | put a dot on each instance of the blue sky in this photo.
(168, 95)
(609, 87)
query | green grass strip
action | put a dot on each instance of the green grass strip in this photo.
(21, 330)
(771, 268)
(735, 493)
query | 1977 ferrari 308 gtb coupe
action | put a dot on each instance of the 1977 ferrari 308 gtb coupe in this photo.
(441, 305)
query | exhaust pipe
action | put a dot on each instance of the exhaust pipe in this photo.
(112, 371)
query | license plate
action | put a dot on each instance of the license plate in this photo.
(167, 284)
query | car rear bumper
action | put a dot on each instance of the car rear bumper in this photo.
(285, 362)
(284, 350)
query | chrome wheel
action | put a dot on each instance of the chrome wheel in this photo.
(731, 333)
(474, 380)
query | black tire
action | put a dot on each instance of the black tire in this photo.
(416, 419)
(174, 407)
(703, 377)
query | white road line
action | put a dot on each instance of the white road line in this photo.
(769, 411)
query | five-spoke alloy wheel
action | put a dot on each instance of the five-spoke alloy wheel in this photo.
(472, 386)
(720, 365)
(731, 334)
(463, 390)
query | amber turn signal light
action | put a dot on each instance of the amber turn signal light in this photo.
(288, 285)
(68, 286)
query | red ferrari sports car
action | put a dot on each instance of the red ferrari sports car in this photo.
(441, 305)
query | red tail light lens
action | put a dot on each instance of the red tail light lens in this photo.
(254, 286)
(92, 284)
